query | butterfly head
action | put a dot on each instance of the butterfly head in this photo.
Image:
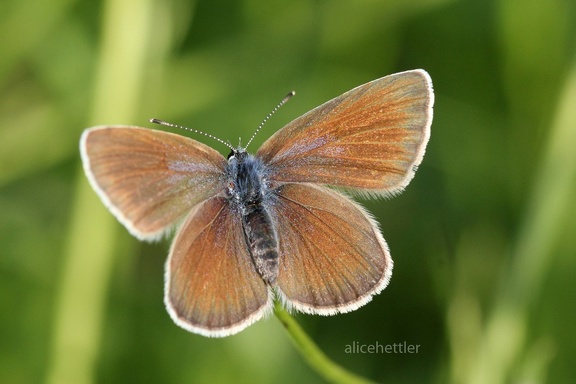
(237, 155)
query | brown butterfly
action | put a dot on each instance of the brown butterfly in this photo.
(256, 226)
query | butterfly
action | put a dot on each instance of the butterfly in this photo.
(276, 224)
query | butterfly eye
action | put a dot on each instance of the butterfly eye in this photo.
(231, 155)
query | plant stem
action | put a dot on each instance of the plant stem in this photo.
(313, 355)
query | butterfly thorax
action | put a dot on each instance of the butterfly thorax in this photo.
(248, 192)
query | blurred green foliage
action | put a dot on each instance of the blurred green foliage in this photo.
(483, 238)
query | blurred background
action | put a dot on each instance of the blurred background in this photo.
(483, 238)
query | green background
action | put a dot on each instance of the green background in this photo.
(483, 238)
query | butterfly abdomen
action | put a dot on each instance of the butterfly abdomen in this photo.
(262, 241)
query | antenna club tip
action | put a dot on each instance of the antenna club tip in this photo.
(286, 98)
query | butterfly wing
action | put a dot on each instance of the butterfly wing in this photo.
(212, 287)
(149, 179)
(333, 258)
(370, 139)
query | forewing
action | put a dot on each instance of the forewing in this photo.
(149, 179)
(212, 287)
(333, 258)
(370, 139)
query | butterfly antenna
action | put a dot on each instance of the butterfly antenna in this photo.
(162, 122)
(284, 100)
